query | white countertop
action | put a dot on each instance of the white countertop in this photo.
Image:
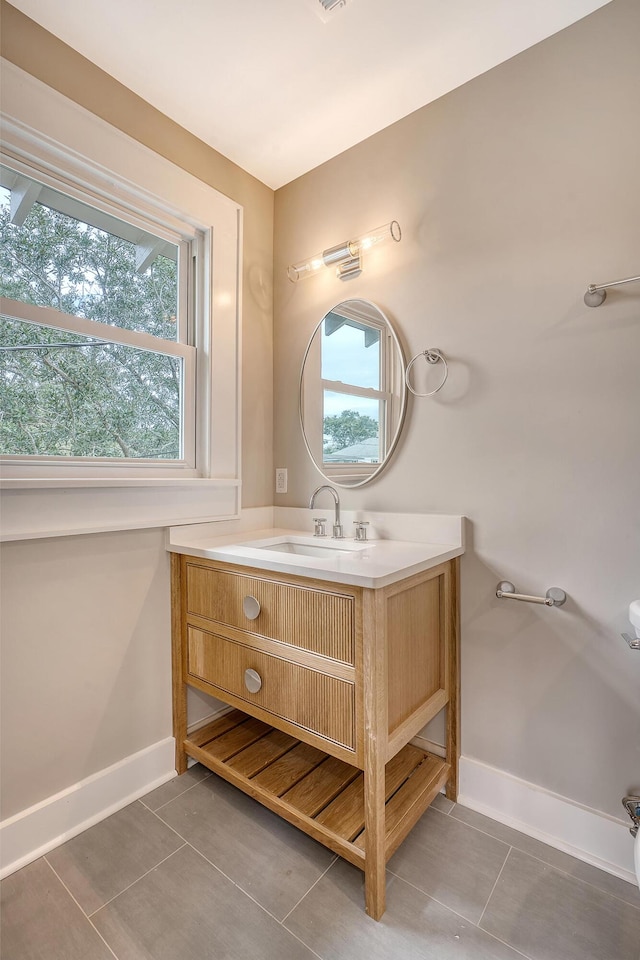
(375, 563)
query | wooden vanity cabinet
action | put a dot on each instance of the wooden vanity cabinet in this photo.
(328, 683)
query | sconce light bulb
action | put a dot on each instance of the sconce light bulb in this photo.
(344, 253)
(306, 268)
(388, 231)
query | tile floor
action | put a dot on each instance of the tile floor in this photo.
(198, 871)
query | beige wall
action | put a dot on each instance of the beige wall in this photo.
(85, 658)
(85, 620)
(513, 193)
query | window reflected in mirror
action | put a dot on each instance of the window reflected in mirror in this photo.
(352, 392)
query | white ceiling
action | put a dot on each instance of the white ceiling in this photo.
(278, 91)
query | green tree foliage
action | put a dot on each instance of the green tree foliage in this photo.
(92, 400)
(348, 428)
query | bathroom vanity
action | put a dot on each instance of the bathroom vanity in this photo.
(329, 671)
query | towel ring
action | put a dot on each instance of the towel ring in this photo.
(432, 355)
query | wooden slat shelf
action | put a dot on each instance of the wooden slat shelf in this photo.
(316, 792)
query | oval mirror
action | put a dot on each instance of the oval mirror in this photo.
(352, 393)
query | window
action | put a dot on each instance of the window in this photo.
(134, 419)
(349, 395)
(354, 395)
(95, 353)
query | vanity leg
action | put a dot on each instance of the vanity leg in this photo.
(375, 862)
(453, 668)
(179, 687)
(375, 750)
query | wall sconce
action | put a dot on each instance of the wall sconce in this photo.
(347, 256)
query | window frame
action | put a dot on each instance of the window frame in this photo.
(51, 136)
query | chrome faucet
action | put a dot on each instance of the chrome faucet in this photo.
(337, 525)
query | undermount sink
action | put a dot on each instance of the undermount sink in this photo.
(304, 548)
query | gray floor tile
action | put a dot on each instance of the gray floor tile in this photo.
(186, 910)
(173, 788)
(555, 858)
(451, 862)
(441, 803)
(551, 916)
(40, 921)
(273, 861)
(605, 882)
(102, 861)
(332, 921)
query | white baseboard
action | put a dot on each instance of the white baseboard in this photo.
(589, 835)
(37, 830)
(210, 717)
(202, 722)
(430, 746)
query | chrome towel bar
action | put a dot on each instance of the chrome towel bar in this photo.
(597, 292)
(554, 596)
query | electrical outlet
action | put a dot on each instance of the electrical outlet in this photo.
(281, 480)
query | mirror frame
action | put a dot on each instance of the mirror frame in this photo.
(403, 395)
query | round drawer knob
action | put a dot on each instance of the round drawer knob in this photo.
(252, 680)
(250, 607)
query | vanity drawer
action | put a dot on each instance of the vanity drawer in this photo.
(316, 620)
(315, 701)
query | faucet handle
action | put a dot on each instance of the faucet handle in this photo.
(319, 529)
(361, 529)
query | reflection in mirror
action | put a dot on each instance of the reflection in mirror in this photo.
(352, 393)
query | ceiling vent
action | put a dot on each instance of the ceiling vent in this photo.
(326, 9)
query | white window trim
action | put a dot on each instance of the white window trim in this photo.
(46, 131)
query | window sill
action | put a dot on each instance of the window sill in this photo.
(46, 483)
(34, 509)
